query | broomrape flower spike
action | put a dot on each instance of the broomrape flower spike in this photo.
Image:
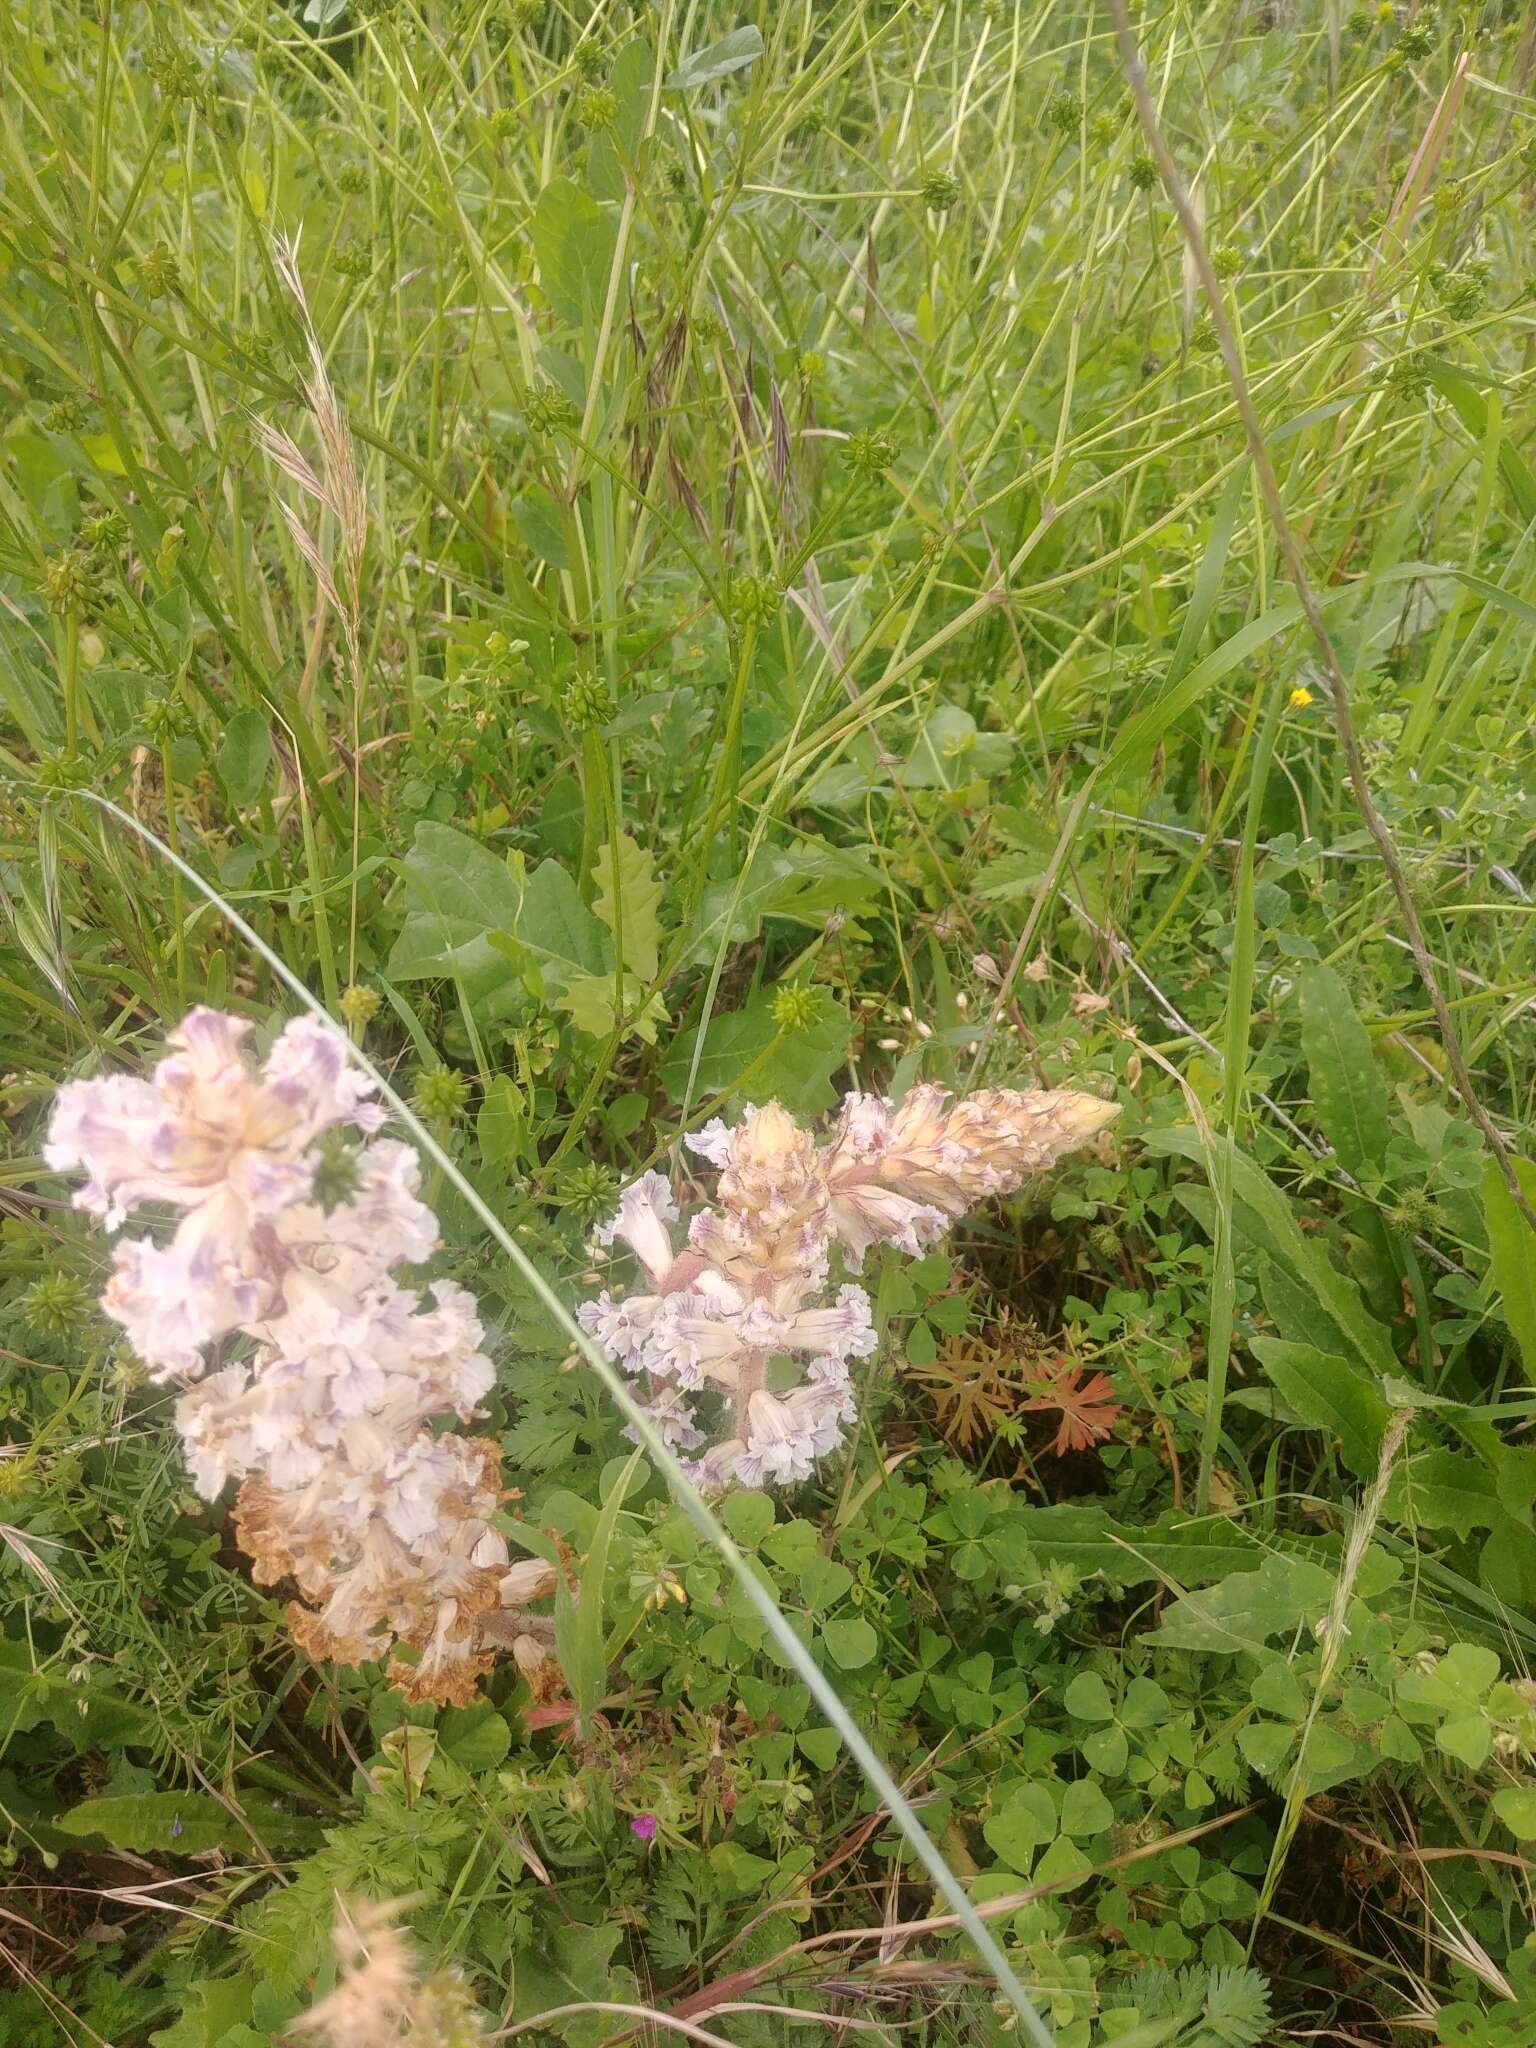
(311, 1373)
(744, 1339)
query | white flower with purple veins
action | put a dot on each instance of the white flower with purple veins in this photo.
(645, 1209)
(669, 1413)
(622, 1328)
(382, 1521)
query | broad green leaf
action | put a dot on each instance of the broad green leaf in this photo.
(1330, 1394)
(244, 755)
(733, 52)
(458, 894)
(1468, 1738)
(1087, 1698)
(574, 240)
(1240, 1614)
(186, 1823)
(502, 1122)
(805, 884)
(1441, 1489)
(749, 1517)
(1186, 1550)
(1516, 1807)
(475, 1738)
(573, 1965)
(627, 895)
(555, 932)
(950, 751)
(745, 1049)
(212, 2009)
(1266, 1222)
(536, 517)
(851, 1641)
(1084, 1809)
(1022, 1825)
(1348, 1091)
(1513, 1249)
(588, 1001)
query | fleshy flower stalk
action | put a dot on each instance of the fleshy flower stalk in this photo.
(744, 1326)
(327, 1373)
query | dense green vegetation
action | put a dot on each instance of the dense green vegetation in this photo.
(813, 624)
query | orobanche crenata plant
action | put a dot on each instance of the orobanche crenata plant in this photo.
(749, 1312)
(322, 1383)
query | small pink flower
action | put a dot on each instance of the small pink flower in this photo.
(643, 1827)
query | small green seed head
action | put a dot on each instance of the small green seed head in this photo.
(65, 416)
(360, 1006)
(597, 106)
(159, 272)
(588, 1191)
(173, 72)
(1143, 172)
(589, 704)
(810, 364)
(104, 532)
(869, 451)
(755, 600)
(941, 191)
(547, 409)
(441, 1096)
(588, 58)
(57, 1305)
(796, 1007)
(353, 179)
(68, 581)
(1064, 113)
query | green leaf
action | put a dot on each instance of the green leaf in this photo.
(211, 2008)
(627, 895)
(502, 1122)
(1093, 1541)
(743, 46)
(1022, 1825)
(1516, 1807)
(475, 1738)
(574, 240)
(1348, 1091)
(1468, 1738)
(950, 751)
(460, 894)
(1442, 1489)
(803, 884)
(1266, 1745)
(1239, 1615)
(1087, 1698)
(588, 999)
(822, 1746)
(746, 1049)
(1328, 1394)
(851, 1642)
(536, 517)
(1084, 1809)
(1513, 1252)
(748, 1516)
(245, 753)
(187, 1823)
(1266, 1222)
(557, 930)
(579, 1615)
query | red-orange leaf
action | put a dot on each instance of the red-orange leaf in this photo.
(1089, 1410)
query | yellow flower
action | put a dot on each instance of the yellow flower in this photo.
(1300, 698)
